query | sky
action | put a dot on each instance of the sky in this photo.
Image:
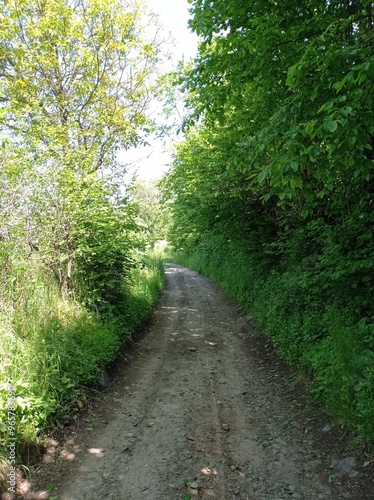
(151, 162)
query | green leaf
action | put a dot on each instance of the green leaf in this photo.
(267, 197)
(330, 125)
(262, 176)
(294, 165)
(296, 182)
(313, 154)
(310, 127)
(304, 213)
(327, 106)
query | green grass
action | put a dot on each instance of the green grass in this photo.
(54, 349)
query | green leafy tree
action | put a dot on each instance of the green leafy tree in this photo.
(75, 84)
(289, 92)
(299, 82)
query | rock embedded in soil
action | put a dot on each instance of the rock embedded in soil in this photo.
(345, 466)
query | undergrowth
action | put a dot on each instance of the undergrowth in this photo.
(328, 343)
(54, 348)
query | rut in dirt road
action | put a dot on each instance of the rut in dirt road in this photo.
(196, 415)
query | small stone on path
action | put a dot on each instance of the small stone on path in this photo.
(345, 466)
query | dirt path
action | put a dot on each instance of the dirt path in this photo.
(195, 412)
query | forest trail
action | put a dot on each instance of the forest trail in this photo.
(196, 413)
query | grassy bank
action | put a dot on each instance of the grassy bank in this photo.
(321, 339)
(54, 348)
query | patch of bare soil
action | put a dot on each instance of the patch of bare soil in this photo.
(204, 409)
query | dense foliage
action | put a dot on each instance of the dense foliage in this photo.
(272, 189)
(76, 78)
(152, 216)
(74, 89)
